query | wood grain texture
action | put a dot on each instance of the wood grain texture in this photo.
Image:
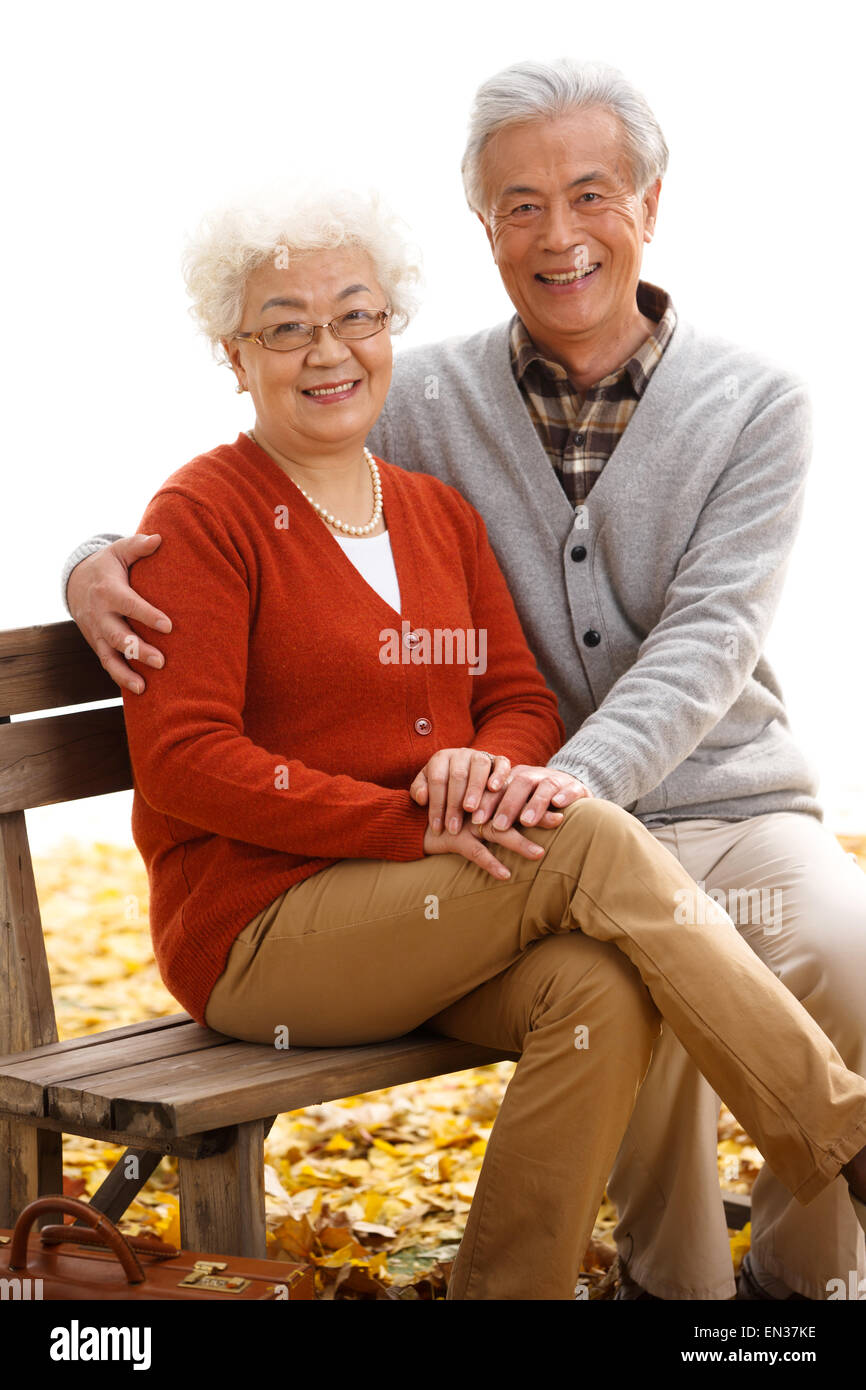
(32, 1167)
(222, 1199)
(247, 1081)
(26, 1006)
(110, 1035)
(180, 1093)
(63, 758)
(135, 1050)
(191, 1146)
(49, 667)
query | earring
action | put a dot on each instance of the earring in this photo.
(240, 389)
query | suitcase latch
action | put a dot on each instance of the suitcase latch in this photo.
(203, 1275)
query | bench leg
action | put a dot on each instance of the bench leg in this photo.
(32, 1167)
(222, 1198)
(124, 1183)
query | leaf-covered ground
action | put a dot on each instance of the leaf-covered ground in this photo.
(373, 1190)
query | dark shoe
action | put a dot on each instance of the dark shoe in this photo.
(749, 1289)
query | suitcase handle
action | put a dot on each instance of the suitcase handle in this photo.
(84, 1235)
(108, 1233)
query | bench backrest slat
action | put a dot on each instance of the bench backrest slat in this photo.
(63, 758)
(49, 667)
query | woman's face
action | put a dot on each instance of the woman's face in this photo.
(286, 387)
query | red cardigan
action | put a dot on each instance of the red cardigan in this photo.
(275, 741)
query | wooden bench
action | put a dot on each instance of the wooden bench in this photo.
(166, 1085)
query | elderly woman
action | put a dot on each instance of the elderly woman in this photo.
(319, 762)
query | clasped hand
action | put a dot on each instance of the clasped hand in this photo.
(463, 780)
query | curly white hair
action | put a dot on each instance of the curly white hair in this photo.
(233, 240)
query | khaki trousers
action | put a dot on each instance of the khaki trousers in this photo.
(800, 903)
(571, 962)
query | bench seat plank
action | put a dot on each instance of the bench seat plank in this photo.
(128, 1030)
(22, 1083)
(248, 1081)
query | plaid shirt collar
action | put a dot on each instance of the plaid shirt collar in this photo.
(652, 301)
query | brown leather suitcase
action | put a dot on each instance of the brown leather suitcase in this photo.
(107, 1265)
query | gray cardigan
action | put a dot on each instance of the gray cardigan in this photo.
(675, 562)
(648, 608)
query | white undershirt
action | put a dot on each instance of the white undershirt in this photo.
(372, 558)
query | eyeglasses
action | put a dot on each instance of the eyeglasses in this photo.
(285, 337)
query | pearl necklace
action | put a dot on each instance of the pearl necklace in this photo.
(332, 520)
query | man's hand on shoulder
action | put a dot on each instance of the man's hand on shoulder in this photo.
(100, 598)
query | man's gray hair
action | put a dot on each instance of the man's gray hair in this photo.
(537, 91)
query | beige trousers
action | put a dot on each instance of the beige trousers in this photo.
(570, 962)
(800, 903)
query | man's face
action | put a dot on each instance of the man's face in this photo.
(561, 199)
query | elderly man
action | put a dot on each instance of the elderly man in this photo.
(642, 484)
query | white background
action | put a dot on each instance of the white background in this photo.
(121, 126)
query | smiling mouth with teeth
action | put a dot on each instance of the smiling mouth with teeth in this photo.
(338, 390)
(568, 277)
